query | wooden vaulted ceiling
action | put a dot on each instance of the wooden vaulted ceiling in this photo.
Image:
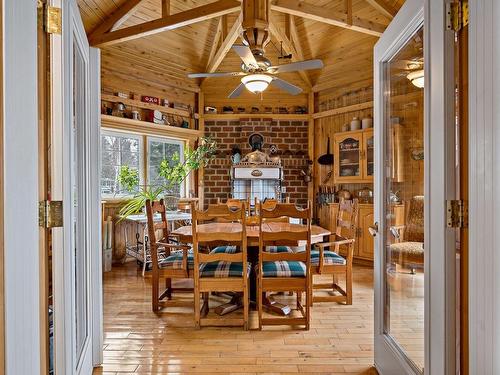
(164, 59)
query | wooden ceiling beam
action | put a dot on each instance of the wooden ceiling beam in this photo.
(116, 18)
(328, 16)
(226, 45)
(383, 8)
(215, 44)
(165, 8)
(175, 21)
(290, 47)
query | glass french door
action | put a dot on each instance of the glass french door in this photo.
(413, 248)
(71, 173)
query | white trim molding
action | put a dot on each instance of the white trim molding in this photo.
(22, 258)
(484, 187)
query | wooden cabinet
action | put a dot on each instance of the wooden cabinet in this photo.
(364, 240)
(353, 156)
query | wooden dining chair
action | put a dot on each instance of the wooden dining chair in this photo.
(234, 203)
(326, 258)
(178, 261)
(220, 270)
(284, 271)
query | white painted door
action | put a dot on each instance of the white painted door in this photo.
(414, 155)
(75, 142)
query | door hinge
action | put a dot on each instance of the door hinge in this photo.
(457, 214)
(51, 17)
(50, 214)
(457, 15)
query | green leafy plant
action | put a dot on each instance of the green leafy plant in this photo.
(128, 178)
(173, 171)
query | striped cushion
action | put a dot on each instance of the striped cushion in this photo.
(174, 261)
(329, 257)
(283, 268)
(225, 249)
(223, 269)
(278, 249)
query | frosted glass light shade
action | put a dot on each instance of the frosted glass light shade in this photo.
(256, 82)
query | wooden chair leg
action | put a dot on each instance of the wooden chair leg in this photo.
(348, 285)
(197, 308)
(310, 292)
(309, 301)
(259, 301)
(168, 287)
(245, 308)
(155, 292)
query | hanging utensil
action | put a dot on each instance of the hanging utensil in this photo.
(326, 159)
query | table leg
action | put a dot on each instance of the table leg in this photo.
(271, 305)
(234, 304)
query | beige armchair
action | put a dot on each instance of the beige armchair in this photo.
(408, 251)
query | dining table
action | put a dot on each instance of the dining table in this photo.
(185, 235)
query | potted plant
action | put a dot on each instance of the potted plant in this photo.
(173, 170)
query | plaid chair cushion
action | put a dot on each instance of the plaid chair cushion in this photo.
(278, 249)
(284, 268)
(174, 261)
(329, 258)
(225, 249)
(222, 269)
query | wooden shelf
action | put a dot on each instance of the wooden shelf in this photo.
(238, 116)
(139, 104)
(341, 110)
(147, 128)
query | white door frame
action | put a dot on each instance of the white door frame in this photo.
(439, 140)
(65, 361)
(484, 187)
(21, 233)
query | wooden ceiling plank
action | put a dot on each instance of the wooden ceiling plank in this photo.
(290, 47)
(329, 16)
(383, 8)
(217, 37)
(116, 18)
(188, 17)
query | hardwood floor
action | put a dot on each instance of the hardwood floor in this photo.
(136, 341)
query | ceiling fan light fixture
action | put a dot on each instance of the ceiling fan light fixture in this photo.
(256, 83)
(416, 78)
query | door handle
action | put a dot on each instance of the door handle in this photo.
(373, 229)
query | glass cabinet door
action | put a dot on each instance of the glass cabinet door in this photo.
(348, 157)
(368, 161)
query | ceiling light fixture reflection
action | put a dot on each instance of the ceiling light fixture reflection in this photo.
(417, 78)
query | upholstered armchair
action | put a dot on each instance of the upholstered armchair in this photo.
(408, 250)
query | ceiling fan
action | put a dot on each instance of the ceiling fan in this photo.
(258, 73)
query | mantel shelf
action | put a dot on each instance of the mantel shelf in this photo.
(147, 128)
(341, 110)
(272, 116)
(143, 105)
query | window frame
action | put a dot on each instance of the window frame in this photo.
(182, 143)
(124, 134)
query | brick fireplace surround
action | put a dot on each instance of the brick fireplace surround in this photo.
(289, 136)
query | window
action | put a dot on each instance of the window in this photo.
(117, 150)
(160, 149)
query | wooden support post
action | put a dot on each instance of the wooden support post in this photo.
(288, 20)
(224, 26)
(165, 8)
(201, 172)
(348, 11)
(310, 140)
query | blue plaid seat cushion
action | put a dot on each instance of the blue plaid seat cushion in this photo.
(284, 268)
(222, 269)
(329, 258)
(174, 261)
(225, 249)
(278, 249)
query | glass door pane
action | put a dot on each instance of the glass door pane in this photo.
(404, 200)
(79, 216)
(349, 158)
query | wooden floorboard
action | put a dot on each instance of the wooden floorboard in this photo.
(137, 341)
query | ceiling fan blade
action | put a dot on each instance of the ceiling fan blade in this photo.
(299, 65)
(220, 74)
(284, 85)
(246, 55)
(237, 91)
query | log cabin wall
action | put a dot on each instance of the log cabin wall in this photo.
(291, 138)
